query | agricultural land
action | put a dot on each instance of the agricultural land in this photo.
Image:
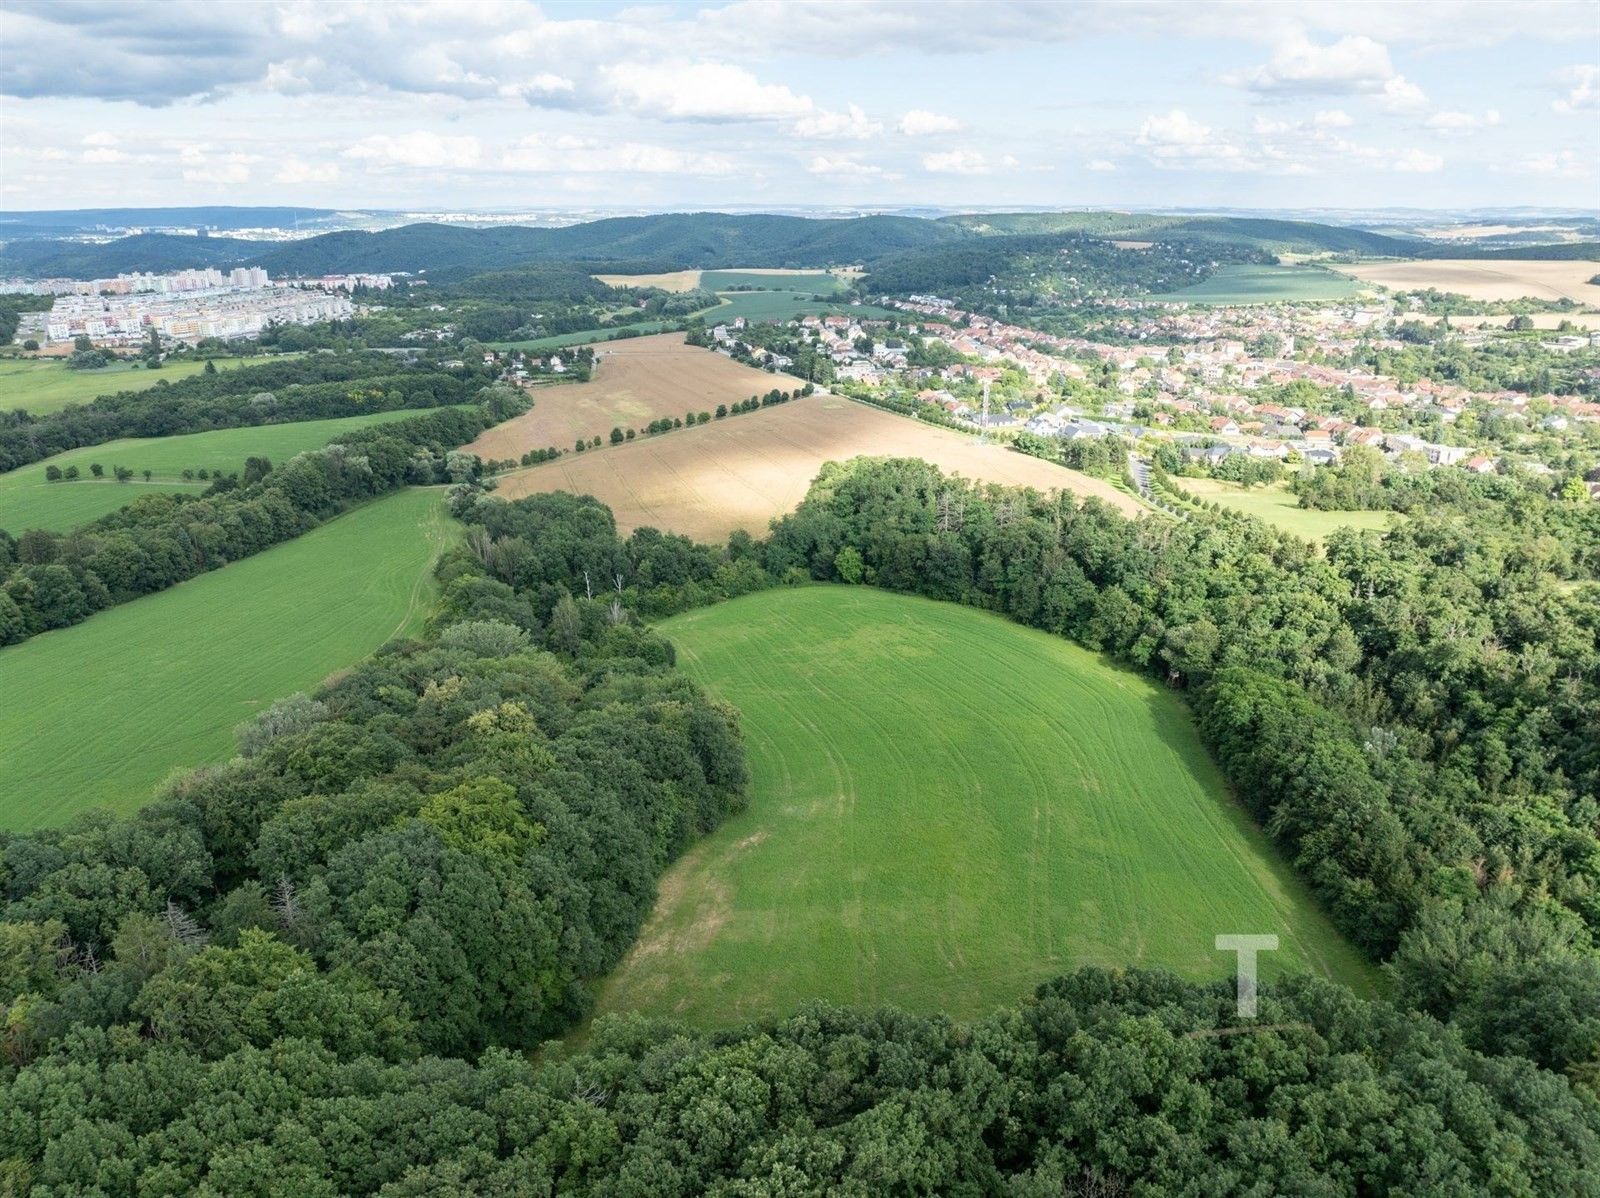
(28, 500)
(948, 808)
(1253, 284)
(100, 713)
(1491, 279)
(741, 472)
(40, 385)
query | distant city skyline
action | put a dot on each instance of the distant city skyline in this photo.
(474, 106)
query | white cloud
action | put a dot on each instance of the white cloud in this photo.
(1401, 95)
(842, 166)
(1583, 88)
(295, 171)
(235, 168)
(103, 155)
(570, 154)
(1451, 122)
(419, 149)
(100, 138)
(1100, 166)
(1175, 139)
(1558, 164)
(1418, 162)
(705, 91)
(919, 122)
(956, 162)
(849, 125)
(1332, 118)
(1301, 67)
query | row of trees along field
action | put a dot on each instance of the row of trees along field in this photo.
(53, 580)
(315, 387)
(313, 970)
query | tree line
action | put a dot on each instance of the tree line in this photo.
(53, 580)
(315, 387)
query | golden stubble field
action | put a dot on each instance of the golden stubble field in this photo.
(744, 471)
(635, 381)
(1500, 279)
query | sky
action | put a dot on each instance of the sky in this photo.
(786, 103)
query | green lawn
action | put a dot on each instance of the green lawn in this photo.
(100, 713)
(1239, 284)
(777, 306)
(41, 385)
(585, 337)
(28, 501)
(817, 281)
(947, 809)
(1277, 505)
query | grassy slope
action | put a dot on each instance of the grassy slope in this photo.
(28, 501)
(948, 808)
(783, 305)
(40, 385)
(100, 713)
(1238, 284)
(818, 282)
(1278, 506)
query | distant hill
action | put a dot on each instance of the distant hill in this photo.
(1277, 236)
(160, 252)
(1566, 251)
(686, 240)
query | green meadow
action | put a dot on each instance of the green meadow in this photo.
(100, 713)
(1265, 284)
(947, 809)
(41, 385)
(28, 500)
(811, 281)
(1279, 506)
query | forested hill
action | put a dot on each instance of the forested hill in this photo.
(694, 239)
(1277, 236)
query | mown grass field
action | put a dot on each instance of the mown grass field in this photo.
(1277, 505)
(946, 809)
(27, 500)
(41, 385)
(819, 281)
(777, 306)
(100, 713)
(1240, 284)
(585, 337)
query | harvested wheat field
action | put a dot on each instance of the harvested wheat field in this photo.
(636, 380)
(743, 471)
(1490, 279)
(674, 280)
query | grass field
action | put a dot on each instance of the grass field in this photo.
(946, 809)
(28, 501)
(41, 385)
(1489, 279)
(742, 472)
(778, 306)
(541, 345)
(635, 381)
(100, 713)
(1238, 284)
(1277, 505)
(819, 281)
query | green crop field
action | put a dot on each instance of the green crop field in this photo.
(1278, 505)
(947, 809)
(40, 385)
(541, 345)
(1239, 284)
(98, 714)
(811, 281)
(27, 500)
(770, 306)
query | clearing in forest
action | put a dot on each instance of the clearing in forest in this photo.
(947, 809)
